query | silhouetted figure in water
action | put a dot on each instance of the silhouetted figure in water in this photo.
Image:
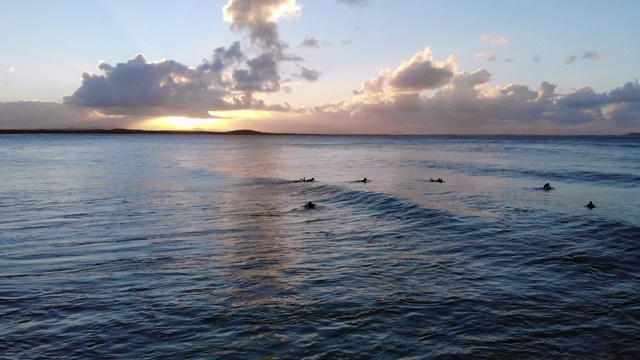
(310, 205)
(364, 180)
(590, 205)
(304, 179)
(547, 186)
(438, 180)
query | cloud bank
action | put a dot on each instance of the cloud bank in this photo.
(466, 102)
(420, 96)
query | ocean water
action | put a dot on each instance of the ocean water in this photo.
(199, 247)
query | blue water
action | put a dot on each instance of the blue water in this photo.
(171, 246)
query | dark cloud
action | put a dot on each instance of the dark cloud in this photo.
(149, 86)
(144, 88)
(309, 42)
(354, 3)
(582, 97)
(259, 18)
(420, 73)
(630, 92)
(223, 58)
(592, 55)
(309, 75)
(586, 55)
(570, 59)
(225, 81)
(261, 76)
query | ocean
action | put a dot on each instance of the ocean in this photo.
(200, 247)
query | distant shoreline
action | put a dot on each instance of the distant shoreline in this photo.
(120, 131)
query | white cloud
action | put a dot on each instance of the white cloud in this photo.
(494, 39)
(489, 55)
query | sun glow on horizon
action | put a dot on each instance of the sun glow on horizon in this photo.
(219, 121)
(185, 123)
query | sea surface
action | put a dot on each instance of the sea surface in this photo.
(199, 247)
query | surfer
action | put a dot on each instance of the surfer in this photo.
(310, 205)
(363, 180)
(438, 180)
(547, 186)
(590, 205)
(304, 179)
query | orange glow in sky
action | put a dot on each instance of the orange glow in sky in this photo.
(219, 121)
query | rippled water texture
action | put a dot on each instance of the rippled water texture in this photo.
(153, 246)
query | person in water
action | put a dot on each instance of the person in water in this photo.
(438, 180)
(310, 205)
(547, 186)
(590, 205)
(304, 179)
(363, 180)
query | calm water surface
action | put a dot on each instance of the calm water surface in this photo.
(159, 246)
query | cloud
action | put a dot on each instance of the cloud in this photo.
(466, 102)
(260, 18)
(9, 70)
(536, 58)
(229, 80)
(630, 92)
(354, 3)
(586, 55)
(592, 55)
(570, 59)
(140, 87)
(222, 58)
(494, 39)
(309, 75)
(143, 87)
(489, 55)
(581, 97)
(262, 75)
(421, 95)
(309, 42)
(422, 73)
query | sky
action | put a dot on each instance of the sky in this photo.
(543, 67)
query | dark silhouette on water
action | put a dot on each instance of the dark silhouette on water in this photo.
(438, 180)
(590, 205)
(363, 180)
(547, 186)
(310, 205)
(304, 179)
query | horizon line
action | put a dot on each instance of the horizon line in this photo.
(124, 131)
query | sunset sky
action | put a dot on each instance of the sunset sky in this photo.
(322, 66)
